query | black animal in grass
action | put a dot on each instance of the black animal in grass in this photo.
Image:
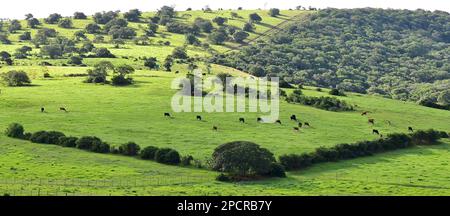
(364, 113)
(293, 118)
(215, 128)
(410, 129)
(374, 131)
(259, 119)
(278, 122)
(42, 109)
(199, 118)
(300, 124)
(371, 121)
(63, 109)
(167, 115)
(177, 72)
(242, 120)
(296, 129)
(307, 124)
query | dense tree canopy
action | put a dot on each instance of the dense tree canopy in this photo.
(398, 53)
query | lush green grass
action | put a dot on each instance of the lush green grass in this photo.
(135, 113)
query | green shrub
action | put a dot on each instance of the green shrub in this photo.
(15, 130)
(167, 156)
(67, 141)
(148, 153)
(277, 170)
(223, 178)
(86, 142)
(129, 149)
(100, 147)
(186, 160)
(46, 137)
(242, 159)
(16, 78)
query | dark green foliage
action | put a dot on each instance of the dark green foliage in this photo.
(121, 75)
(53, 18)
(223, 178)
(167, 156)
(129, 149)
(360, 149)
(177, 27)
(277, 170)
(148, 153)
(79, 15)
(16, 78)
(4, 39)
(151, 63)
(15, 130)
(100, 147)
(179, 53)
(87, 142)
(326, 103)
(14, 26)
(92, 28)
(33, 22)
(133, 15)
(25, 36)
(248, 27)
(240, 36)
(204, 25)
(336, 92)
(218, 36)
(186, 160)
(166, 11)
(254, 17)
(105, 17)
(102, 53)
(191, 39)
(76, 60)
(273, 12)
(220, 20)
(46, 137)
(242, 159)
(65, 23)
(402, 54)
(67, 141)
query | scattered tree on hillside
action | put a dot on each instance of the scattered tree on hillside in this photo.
(220, 20)
(254, 17)
(16, 78)
(273, 12)
(79, 15)
(14, 26)
(65, 23)
(53, 18)
(133, 15)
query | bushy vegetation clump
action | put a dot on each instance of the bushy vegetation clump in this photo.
(167, 156)
(360, 149)
(16, 78)
(15, 130)
(243, 159)
(129, 149)
(326, 103)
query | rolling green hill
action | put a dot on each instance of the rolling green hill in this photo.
(135, 113)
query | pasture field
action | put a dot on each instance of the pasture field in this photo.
(135, 113)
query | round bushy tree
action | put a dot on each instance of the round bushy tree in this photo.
(16, 78)
(86, 142)
(242, 158)
(67, 141)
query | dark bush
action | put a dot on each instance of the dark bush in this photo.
(223, 178)
(100, 147)
(277, 170)
(15, 130)
(186, 160)
(242, 159)
(148, 153)
(67, 141)
(16, 78)
(86, 142)
(326, 103)
(27, 136)
(336, 92)
(167, 156)
(129, 149)
(46, 137)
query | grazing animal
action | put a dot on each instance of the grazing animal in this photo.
(307, 124)
(177, 72)
(199, 118)
(167, 115)
(215, 128)
(293, 118)
(242, 120)
(410, 129)
(63, 109)
(259, 119)
(371, 121)
(381, 135)
(364, 113)
(375, 132)
(296, 129)
(300, 124)
(278, 121)
(42, 109)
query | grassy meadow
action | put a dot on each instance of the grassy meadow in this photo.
(135, 113)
